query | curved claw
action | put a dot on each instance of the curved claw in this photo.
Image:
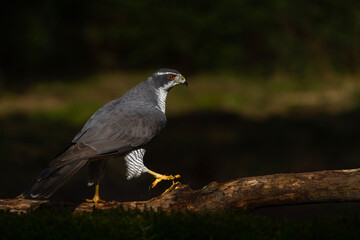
(155, 182)
(174, 184)
(160, 177)
(96, 199)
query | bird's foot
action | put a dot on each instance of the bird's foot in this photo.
(96, 200)
(164, 177)
(173, 186)
(160, 177)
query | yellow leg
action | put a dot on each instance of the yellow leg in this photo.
(96, 199)
(160, 177)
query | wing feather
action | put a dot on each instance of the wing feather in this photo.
(124, 132)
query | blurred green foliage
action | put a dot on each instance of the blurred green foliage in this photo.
(66, 37)
(120, 224)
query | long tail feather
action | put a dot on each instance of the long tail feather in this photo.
(50, 180)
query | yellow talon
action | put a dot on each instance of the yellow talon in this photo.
(172, 186)
(96, 199)
(160, 177)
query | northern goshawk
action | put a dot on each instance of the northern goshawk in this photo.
(121, 127)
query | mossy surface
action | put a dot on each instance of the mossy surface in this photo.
(121, 224)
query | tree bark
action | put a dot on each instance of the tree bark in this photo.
(243, 193)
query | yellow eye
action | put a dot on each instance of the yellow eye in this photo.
(172, 77)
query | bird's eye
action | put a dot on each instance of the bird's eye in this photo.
(172, 77)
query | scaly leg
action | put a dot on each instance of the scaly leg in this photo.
(160, 177)
(96, 199)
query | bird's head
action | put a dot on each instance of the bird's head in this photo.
(166, 79)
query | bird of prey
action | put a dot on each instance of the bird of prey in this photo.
(121, 127)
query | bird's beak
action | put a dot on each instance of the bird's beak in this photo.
(183, 81)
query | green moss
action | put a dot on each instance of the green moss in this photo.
(120, 224)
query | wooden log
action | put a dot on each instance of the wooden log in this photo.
(243, 193)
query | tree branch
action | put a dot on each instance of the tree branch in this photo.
(244, 193)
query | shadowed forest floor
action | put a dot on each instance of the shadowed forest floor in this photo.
(48, 224)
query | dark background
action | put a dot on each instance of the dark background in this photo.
(42, 38)
(308, 42)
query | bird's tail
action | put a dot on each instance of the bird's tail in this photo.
(51, 179)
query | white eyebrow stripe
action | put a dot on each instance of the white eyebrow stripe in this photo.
(164, 73)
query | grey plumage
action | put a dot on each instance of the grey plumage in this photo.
(120, 127)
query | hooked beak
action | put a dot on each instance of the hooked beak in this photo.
(183, 81)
